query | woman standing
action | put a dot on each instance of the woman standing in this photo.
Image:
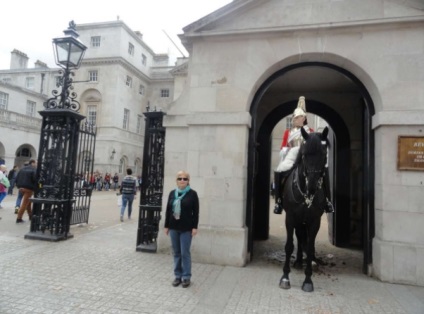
(181, 220)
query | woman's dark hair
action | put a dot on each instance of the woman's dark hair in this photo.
(306, 121)
(129, 171)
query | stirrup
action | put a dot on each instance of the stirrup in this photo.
(278, 209)
(329, 208)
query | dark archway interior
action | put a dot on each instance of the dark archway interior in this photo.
(276, 99)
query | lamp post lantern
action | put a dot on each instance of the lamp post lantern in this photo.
(57, 158)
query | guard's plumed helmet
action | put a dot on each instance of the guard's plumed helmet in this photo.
(301, 108)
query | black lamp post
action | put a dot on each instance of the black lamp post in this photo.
(68, 52)
(57, 158)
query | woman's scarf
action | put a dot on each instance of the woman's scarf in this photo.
(176, 205)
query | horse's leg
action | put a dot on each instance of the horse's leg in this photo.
(285, 281)
(301, 236)
(312, 230)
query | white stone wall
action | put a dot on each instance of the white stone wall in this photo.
(379, 42)
(399, 212)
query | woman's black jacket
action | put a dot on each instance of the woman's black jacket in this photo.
(189, 218)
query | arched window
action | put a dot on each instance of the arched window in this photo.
(24, 152)
(137, 167)
(122, 165)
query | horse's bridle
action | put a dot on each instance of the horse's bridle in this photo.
(308, 199)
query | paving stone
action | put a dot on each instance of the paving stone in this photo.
(99, 271)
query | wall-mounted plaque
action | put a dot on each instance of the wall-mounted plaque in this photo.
(410, 153)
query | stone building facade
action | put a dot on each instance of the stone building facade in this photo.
(358, 63)
(360, 66)
(120, 76)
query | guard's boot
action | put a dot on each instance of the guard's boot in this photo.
(328, 206)
(278, 208)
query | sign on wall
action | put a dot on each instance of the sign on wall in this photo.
(410, 153)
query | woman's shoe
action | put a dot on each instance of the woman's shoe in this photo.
(176, 282)
(186, 283)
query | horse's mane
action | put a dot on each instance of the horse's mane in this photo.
(311, 146)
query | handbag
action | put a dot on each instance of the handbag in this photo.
(5, 181)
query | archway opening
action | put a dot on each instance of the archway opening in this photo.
(339, 98)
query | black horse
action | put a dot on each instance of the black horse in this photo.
(303, 202)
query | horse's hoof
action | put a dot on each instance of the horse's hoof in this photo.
(308, 287)
(285, 283)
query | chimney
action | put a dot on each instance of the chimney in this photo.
(139, 34)
(40, 64)
(18, 60)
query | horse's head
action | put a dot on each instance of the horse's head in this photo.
(313, 154)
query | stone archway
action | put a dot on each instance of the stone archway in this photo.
(353, 145)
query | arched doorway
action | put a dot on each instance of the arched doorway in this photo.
(341, 99)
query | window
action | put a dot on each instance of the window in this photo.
(141, 89)
(130, 49)
(125, 123)
(24, 152)
(139, 120)
(58, 80)
(143, 59)
(29, 83)
(164, 93)
(95, 41)
(91, 114)
(30, 108)
(7, 80)
(129, 81)
(121, 165)
(92, 76)
(4, 100)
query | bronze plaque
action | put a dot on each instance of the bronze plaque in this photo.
(410, 153)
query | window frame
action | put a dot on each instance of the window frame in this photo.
(4, 101)
(128, 82)
(30, 82)
(93, 76)
(92, 114)
(126, 119)
(95, 41)
(164, 93)
(31, 108)
(131, 49)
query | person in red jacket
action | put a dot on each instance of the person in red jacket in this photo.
(292, 139)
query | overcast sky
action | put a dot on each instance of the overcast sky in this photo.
(30, 25)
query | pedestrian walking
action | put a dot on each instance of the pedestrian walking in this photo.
(115, 181)
(26, 182)
(12, 179)
(128, 190)
(4, 183)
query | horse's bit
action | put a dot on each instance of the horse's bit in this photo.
(308, 199)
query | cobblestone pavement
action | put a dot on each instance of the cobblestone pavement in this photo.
(99, 271)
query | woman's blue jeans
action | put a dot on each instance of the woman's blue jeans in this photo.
(127, 198)
(181, 243)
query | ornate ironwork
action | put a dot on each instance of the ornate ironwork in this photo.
(84, 171)
(54, 198)
(152, 182)
(57, 157)
(66, 98)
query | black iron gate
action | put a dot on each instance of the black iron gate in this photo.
(84, 170)
(152, 182)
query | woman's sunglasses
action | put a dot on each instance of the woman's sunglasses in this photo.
(182, 179)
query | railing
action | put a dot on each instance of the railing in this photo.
(19, 120)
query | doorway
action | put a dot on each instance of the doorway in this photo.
(338, 97)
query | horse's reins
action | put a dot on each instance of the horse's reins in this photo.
(308, 199)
